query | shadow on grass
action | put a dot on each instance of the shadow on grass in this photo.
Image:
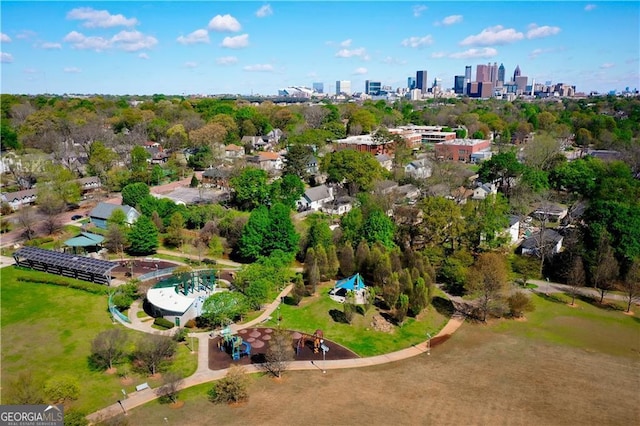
(443, 306)
(595, 301)
(552, 297)
(338, 316)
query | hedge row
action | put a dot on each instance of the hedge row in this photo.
(88, 287)
(38, 241)
(164, 323)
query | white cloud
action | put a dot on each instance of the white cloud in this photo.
(589, 7)
(100, 18)
(237, 42)
(607, 65)
(72, 70)
(190, 64)
(132, 41)
(360, 52)
(30, 70)
(198, 36)
(493, 35)
(345, 43)
(259, 68)
(485, 52)
(418, 9)
(437, 55)
(223, 23)
(6, 58)
(418, 42)
(50, 46)
(129, 41)
(539, 32)
(143, 56)
(26, 34)
(264, 11)
(5, 38)
(360, 71)
(226, 60)
(450, 20)
(393, 61)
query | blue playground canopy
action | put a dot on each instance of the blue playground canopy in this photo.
(354, 282)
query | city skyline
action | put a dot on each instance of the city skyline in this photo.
(257, 48)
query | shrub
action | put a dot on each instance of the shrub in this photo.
(190, 324)
(162, 322)
(35, 242)
(180, 335)
(84, 286)
(231, 388)
(62, 388)
(75, 418)
(519, 303)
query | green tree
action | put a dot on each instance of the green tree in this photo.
(232, 388)
(62, 388)
(359, 170)
(108, 347)
(61, 182)
(133, 193)
(143, 237)
(252, 243)
(8, 137)
(101, 160)
(194, 182)
(378, 227)
(488, 279)
(503, 167)
(138, 164)
(223, 308)
(287, 190)
(282, 234)
(319, 233)
(174, 236)
(346, 259)
(153, 350)
(297, 160)
(311, 269)
(250, 188)
(351, 225)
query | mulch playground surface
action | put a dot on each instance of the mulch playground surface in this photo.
(140, 267)
(259, 340)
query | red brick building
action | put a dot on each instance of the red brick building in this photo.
(460, 149)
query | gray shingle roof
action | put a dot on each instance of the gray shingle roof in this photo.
(105, 210)
(317, 193)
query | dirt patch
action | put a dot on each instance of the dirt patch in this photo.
(176, 405)
(380, 324)
(111, 371)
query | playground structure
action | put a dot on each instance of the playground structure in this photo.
(180, 296)
(232, 343)
(317, 338)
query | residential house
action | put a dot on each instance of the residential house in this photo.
(386, 187)
(216, 176)
(256, 142)
(550, 211)
(103, 211)
(233, 152)
(314, 198)
(419, 169)
(18, 199)
(385, 161)
(269, 161)
(339, 206)
(407, 193)
(312, 165)
(483, 190)
(273, 137)
(89, 183)
(513, 231)
(550, 242)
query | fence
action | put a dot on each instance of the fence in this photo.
(116, 313)
(156, 274)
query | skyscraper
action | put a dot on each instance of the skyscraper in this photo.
(411, 83)
(372, 87)
(318, 87)
(501, 71)
(483, 73)
(516, 72)
(343, 87)
(467, 77)
(421, 81)
(459, 84)
(493, 73)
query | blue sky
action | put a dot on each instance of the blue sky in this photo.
(209, 47)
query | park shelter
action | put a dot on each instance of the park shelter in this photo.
(353, 283)
(86, 241)
(68, 265)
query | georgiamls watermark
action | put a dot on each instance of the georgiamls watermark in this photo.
(31, 415)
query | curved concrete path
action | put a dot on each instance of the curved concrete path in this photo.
(204, 375)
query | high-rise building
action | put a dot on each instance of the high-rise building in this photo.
(411, 83)
(421, 81)
(493, 73)
(467, 77)
(372, 87)
(501, 72)
(318, 87)
(459, 84)
(516, 72)
(521, 83)
(483, 73)
(343, 87)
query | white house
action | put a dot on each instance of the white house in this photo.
(19, 198)
(103, 211)
(269, 161)
(419, 169)
(385, 161)
(232, 152)
(513, 231)
(314, 198)
(483, 190)
(339, 206)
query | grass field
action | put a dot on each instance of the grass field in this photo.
(560, 366)
(315, 313)
(48, 330)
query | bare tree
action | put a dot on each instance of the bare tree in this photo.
(488, 278)
(631, 284)
(279, 354)
(171, 384)
(109, 346)
(604, 269)
(50, 205)
(153, 349)
(576, 278)
(116, 239)
(24, 390)
(315, 115)
(27, 219)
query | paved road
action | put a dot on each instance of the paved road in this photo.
(551, 287)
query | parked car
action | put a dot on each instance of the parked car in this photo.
(76, 217)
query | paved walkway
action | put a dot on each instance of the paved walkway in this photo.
(551, 287)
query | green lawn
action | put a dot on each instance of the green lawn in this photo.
(586, 326)
(48, 330)
(314, 313)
